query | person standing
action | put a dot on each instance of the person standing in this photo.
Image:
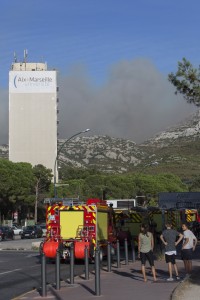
(189, 245)
(169, 238)
(145, 250)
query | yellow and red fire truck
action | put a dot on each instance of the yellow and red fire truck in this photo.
(83, 224)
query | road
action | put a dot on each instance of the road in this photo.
(20, 270)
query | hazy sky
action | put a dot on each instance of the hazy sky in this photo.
(112, 58)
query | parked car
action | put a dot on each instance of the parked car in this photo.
(6, 232)
(32, 231)
(44, 229)
(17, 230)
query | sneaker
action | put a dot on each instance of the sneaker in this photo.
(177, 277)
(170, 279)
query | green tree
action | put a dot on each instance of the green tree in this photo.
(68, 173)
(92, 184)
(41, 184)
(195, 184)
(187, 81)
(15, 186)
(148, 187)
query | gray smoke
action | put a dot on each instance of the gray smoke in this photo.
(136, 102)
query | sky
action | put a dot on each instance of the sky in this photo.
(112, 57)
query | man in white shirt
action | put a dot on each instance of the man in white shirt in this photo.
(189, 245)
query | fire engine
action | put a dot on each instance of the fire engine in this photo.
(83, 224)
(128, 220)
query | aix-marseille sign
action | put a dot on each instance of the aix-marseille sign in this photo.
(184, 200)
(32, 82)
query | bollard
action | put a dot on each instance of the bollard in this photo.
(57, 270)
(126, 251)
(72, 264)
(109, 256)
(43, 275)
(133, 249)
(86, 263)
(118, 255)
(97, 272)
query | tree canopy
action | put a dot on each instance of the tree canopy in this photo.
(187, 81)
(21, 186)
(119, 186)
(15, 185)
(41, 184)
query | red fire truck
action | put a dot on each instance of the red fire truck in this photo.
(83, 224)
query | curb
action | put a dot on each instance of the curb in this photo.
(35, 246)
(178, 292)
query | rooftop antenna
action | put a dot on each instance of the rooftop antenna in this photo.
(25, 56)
(15, 57)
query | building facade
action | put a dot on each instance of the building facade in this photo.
(33, 114)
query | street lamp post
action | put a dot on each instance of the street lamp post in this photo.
(59, 150)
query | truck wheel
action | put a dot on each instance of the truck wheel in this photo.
(91, 254)
(112, 251)
(100, 254)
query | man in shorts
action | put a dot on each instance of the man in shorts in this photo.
(189, 245)
(169, 238)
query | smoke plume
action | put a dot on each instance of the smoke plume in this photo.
(136, 102)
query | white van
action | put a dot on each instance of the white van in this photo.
(122, 203)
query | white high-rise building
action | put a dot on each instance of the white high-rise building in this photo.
(33, 114)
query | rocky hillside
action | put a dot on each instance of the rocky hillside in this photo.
(187, 131)
(175, 150)
(102, 152)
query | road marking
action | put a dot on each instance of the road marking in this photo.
(36, 266)
(10, 271)
(15, 270)
(32, 255)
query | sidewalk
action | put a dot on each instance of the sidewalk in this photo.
(190, 288)
(126, 283)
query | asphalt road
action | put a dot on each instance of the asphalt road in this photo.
(20, 270)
